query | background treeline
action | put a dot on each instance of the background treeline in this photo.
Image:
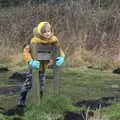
(89, 30)
(8, 3)
(14, 3)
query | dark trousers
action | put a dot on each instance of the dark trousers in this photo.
(28, 85)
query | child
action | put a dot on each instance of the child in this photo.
(43, 34)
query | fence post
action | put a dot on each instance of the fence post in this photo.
(35, 91)
(57, 81)
(56, 71)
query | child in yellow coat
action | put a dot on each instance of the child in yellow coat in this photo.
(42, 35)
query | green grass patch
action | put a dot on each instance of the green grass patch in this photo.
(88, 83)
(51, 109)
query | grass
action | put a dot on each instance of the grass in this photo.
(52, 109)
(8, 101)
(113, 111)
(76, 84)
(96, 83)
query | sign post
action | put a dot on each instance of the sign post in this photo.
(35, 78)
(43, 53)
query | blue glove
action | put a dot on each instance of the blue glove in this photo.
(60, 60)
(35, 64)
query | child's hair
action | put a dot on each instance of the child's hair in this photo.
(44, 29)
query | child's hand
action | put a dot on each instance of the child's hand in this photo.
(60, 60)
(51, 62)
(35, 64)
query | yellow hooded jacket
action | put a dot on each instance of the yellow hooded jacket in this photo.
(40, 40)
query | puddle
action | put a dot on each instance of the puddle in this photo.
(4, 69)
(82, 115)
(116, 71)
(17, 110)
(18, 77)
(9, 89)
(92, 104)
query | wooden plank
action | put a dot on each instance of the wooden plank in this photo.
(57, 81)
(43, 56)
(56, 72)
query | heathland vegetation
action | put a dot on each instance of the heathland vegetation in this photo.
(89, 30)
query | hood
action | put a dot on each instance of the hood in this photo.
(40, 26)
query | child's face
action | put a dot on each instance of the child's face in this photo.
(47, 31)
(47, 34)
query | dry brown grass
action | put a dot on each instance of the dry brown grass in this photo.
(78, 25)
(99, 116)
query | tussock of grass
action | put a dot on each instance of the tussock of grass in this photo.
(2, 117)
(51, 109)
(113, 111)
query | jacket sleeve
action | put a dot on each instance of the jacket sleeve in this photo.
(27, 54)
(61, 52)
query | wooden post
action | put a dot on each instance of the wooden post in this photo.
(57, 81)
(56, 71)
(35, 78)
